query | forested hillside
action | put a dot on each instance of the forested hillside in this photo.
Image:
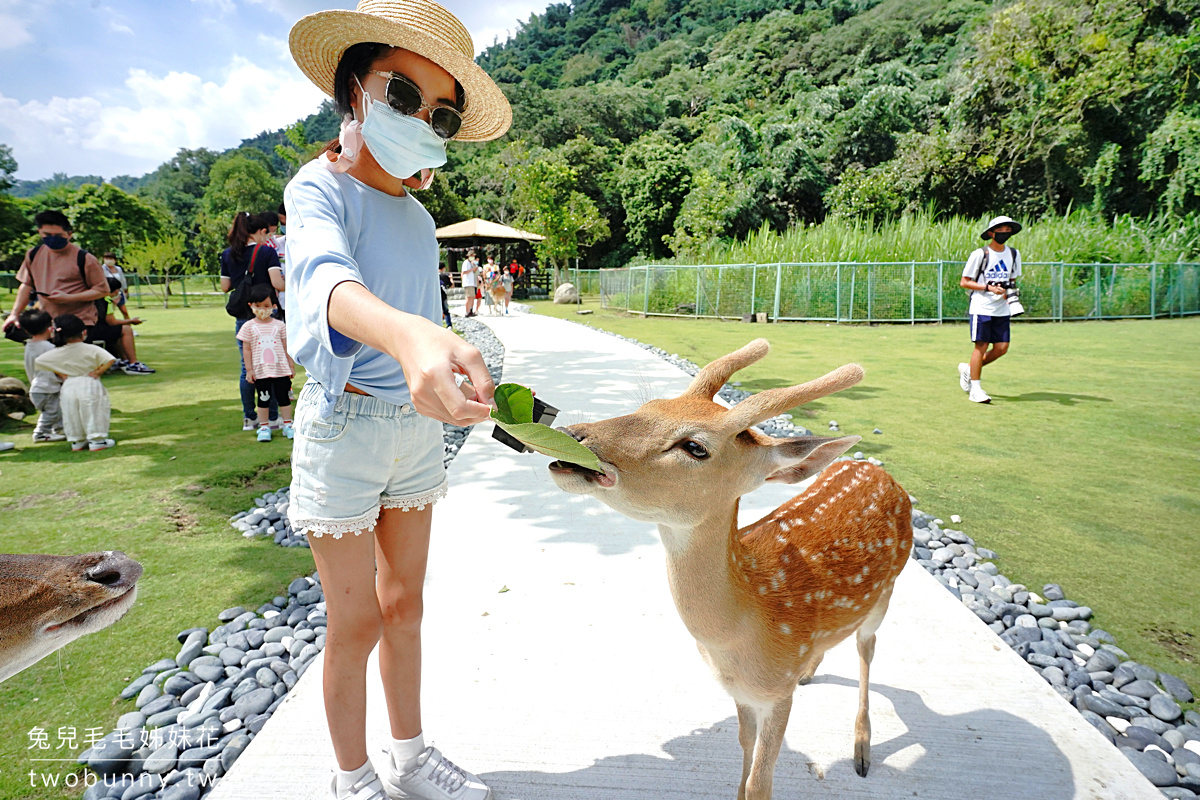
(661, 127)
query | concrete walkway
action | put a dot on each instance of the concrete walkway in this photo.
(581, 682)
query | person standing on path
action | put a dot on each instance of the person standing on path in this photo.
(470, 282)
(989, 273)
(364, 317)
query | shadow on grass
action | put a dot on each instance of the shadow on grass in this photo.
(1062, 398)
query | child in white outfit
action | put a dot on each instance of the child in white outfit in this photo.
(85, 407)
(44, 385)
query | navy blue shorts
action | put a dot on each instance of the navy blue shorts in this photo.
(989, 329)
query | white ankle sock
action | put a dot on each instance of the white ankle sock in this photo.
(346, 779)
(975, 384)
(405, 752)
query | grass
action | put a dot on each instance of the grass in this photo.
(182, 465)
(1084, 471)
(1079, 237)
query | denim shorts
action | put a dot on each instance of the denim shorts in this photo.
(369, 454)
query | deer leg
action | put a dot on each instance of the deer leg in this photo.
(770, 739)
(866, 651)
(747, 734)
(810, 669)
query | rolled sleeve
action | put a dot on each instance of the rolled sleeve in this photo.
(319, 258)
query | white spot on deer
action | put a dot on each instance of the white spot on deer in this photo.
(866, 570)
(857, 579)
(803, 649)
(787, 603)
(867, 596)
(753, 563)
(780, 538)
(787, 629)
(889, 541)
(762, 590)
(785, 558)
(808, 597)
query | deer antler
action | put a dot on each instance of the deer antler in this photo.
(710, 379)
(770, 402)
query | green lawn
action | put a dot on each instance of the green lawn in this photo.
(1084, 470)
(182, 465)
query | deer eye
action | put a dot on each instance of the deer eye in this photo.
(694, 449)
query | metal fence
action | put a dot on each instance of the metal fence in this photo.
(159, 291)
(911, 291)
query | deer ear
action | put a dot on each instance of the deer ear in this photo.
(805, 456)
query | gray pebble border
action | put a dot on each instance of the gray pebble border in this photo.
(196, 712)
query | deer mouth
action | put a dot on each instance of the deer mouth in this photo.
(110, 610)
(605, 479)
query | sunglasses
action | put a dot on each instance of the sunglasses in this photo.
(405, 97)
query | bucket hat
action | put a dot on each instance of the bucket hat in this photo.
(997, 221)
(421, 26)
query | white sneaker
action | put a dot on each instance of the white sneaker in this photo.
(249, 424)
(100, 444)
(435, 778)
(979, 396)
(367, 787)
(964, 377)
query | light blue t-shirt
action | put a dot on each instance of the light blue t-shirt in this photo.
(340, 229)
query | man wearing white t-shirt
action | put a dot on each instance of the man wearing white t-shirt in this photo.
(470, 280)
(989, 273)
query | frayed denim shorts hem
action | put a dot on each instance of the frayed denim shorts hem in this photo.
(367, 456)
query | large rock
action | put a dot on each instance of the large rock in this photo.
(567, 293)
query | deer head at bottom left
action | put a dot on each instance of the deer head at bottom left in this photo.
(47, 601)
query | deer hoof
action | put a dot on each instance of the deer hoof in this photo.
(862, 760)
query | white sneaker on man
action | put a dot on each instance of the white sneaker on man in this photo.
(978, 395)
(434, 778)
(964, 377)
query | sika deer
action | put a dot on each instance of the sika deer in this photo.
(766, 601)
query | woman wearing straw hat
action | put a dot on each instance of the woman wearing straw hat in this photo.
(364, 311)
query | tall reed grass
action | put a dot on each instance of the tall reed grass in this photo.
(1080, 236)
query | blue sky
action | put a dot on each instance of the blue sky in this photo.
(98, 87)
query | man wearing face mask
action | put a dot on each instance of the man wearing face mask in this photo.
(990, 272)
(64, 279)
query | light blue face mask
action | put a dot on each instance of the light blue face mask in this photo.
(402, 145)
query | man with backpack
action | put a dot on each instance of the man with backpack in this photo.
(990, 275)
(63, 278)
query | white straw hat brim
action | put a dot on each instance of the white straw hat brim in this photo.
(319, 40)
(998, 221)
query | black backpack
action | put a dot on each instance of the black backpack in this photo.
(18, 335)
(237, 305)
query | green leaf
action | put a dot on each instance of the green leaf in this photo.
(514, 413)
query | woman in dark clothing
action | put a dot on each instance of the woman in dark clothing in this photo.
(248, 250)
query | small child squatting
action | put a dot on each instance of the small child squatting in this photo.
(268, 365)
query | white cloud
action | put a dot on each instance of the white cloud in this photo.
(90, 135)
(13, 32)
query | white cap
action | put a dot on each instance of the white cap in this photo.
(997, 221)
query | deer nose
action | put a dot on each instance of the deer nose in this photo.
(115, 569)
(574, 432)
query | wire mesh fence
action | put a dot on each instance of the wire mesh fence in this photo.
(156, 291)
(910, 291)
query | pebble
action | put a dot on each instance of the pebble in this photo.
(1165, 708)
(1158, 772)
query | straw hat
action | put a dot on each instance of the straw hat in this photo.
(422, 26)
(997, 222)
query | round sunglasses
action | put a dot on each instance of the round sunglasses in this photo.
(405, 97)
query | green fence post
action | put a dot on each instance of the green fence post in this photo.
(941, 313)
(912, 293)
(646, 299)
(753, 287)
(870, 293)
(1099, 292)
(1153, 288)
(1059, 268)
(837, 312)
(720, 272)
(778, 288)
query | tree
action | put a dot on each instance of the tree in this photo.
(16, 230)
(1172, 162)
(163, 256)
(547, 196)
(299, 150)
(107, 219)
(654, 181)
(238, 181)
